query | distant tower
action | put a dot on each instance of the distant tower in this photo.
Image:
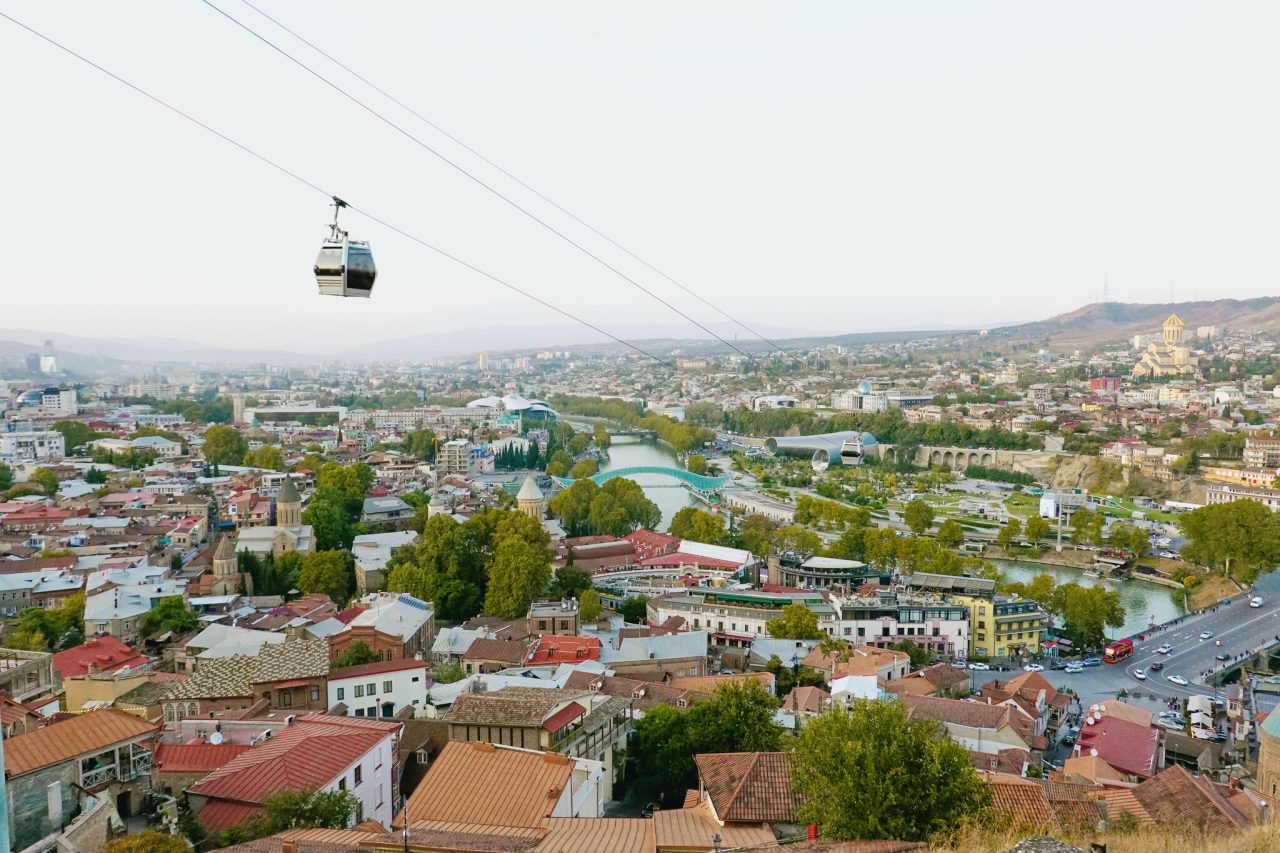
(48, 358)
(529, 500)
(226, 567)
(288, 505)
(1173, 330)
(237, 408)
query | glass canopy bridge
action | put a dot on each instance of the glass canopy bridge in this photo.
(699, 483)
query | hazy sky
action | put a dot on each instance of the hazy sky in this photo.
(832, 166)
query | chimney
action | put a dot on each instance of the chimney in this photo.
(288, 847)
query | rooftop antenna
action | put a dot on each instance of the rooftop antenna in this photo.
(1106, 286)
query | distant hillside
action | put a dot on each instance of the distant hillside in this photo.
(1108, 322)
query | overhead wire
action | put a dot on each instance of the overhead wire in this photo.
(316, 187)
(489, 162)
(480, 182)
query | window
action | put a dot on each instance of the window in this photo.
(359, 691)
(342, 693)
(315, 693)
(371, 688)
(342, 784)
(386, 687)
(359, 712)
(286, 699)
(359, 777)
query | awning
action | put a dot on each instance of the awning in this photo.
(285, 685)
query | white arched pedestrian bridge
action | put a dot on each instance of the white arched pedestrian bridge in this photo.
(697, 482)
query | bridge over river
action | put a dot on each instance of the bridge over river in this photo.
(700, 483)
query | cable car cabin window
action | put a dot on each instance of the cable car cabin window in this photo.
(360, 269)
(330, 261)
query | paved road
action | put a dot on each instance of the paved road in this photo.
(1239, 627)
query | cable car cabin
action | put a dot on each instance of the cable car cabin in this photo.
(345, 268)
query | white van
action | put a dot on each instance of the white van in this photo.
(1256, 601)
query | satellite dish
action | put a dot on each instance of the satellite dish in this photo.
(1094, 753)
(215, 738)
(1102, 708)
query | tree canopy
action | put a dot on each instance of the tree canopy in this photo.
(795, 622)
(697, 525)
(224, 445)
(326, 572)
(869, 772)
(169, 614)
(918, 515)
(1240, 538)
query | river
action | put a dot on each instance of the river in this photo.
(1142, 602)
(629, 451)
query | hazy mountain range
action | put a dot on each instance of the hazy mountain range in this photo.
(1088, 326)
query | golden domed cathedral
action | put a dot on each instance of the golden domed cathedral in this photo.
(1170, 357)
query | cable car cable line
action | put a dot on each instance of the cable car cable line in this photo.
(479, 181)
(317, 188)
(445, 133)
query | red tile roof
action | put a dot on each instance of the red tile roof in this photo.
(195, 757)
(1126, 746)
(563, 717)
(507, 651)
(218, 815)
(63, 741)
(305, 756)
(561, 648)
(103, 654)
(375, 668)
(1176, 798)
(749, 786)
(679, 558)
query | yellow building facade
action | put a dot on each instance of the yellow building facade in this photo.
(1171, 356)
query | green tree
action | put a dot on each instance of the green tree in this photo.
(570, 582)
(330, 523)
(1009, 533)
(559, 463)
(634, 609)
(75, 434)
(1086, 526)
(870, 772)
(918, 515)
(1042, 589)
(573, 507)
(697, 525)
(224, 445)
(579, 443)
(758, 534)
(696, 464)
(585, 468)
(1128, 537)
(589, 609)
(299, 809)
(268, 456)
(93, 477)
(794, 622)
(793, 537)
(1087, 612)
(662, 753)
(326, 572)
(6, 477)
(449, 673)
(1035, 528)
(46, 480)
(422, 443)
(950, 534)
(343, 482)
(1241, 538)
(169, 614)
(620, 507)
(920, 656)
(517, 576)
(147, 842)
(354, 655)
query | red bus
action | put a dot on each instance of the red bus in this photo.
(1117, 651)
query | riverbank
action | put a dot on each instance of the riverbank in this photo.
(1080, 560)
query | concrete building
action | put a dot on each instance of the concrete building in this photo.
(31, 446)
(26, 675)
(454, 457)
(379, 689)
(1223, 493)
(372, 551)
(59, 403)
(755, 503)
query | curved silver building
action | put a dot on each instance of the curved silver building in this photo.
(832, 448)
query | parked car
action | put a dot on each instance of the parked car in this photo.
(980, 667)
(958, 664)
(1072, 734)
(1092, 662)
(1156, 666)
(1165, 649)
(1255, 601)
(1033, 667)
(1074, 668)
(1139, 674)
(1205, 635)
(1177, 679)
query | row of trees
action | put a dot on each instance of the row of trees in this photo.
(497, 560)
(866, 772)
(1085, 612)
(682, 435)
(1241, 539)
(616, 508)
(512, 458)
